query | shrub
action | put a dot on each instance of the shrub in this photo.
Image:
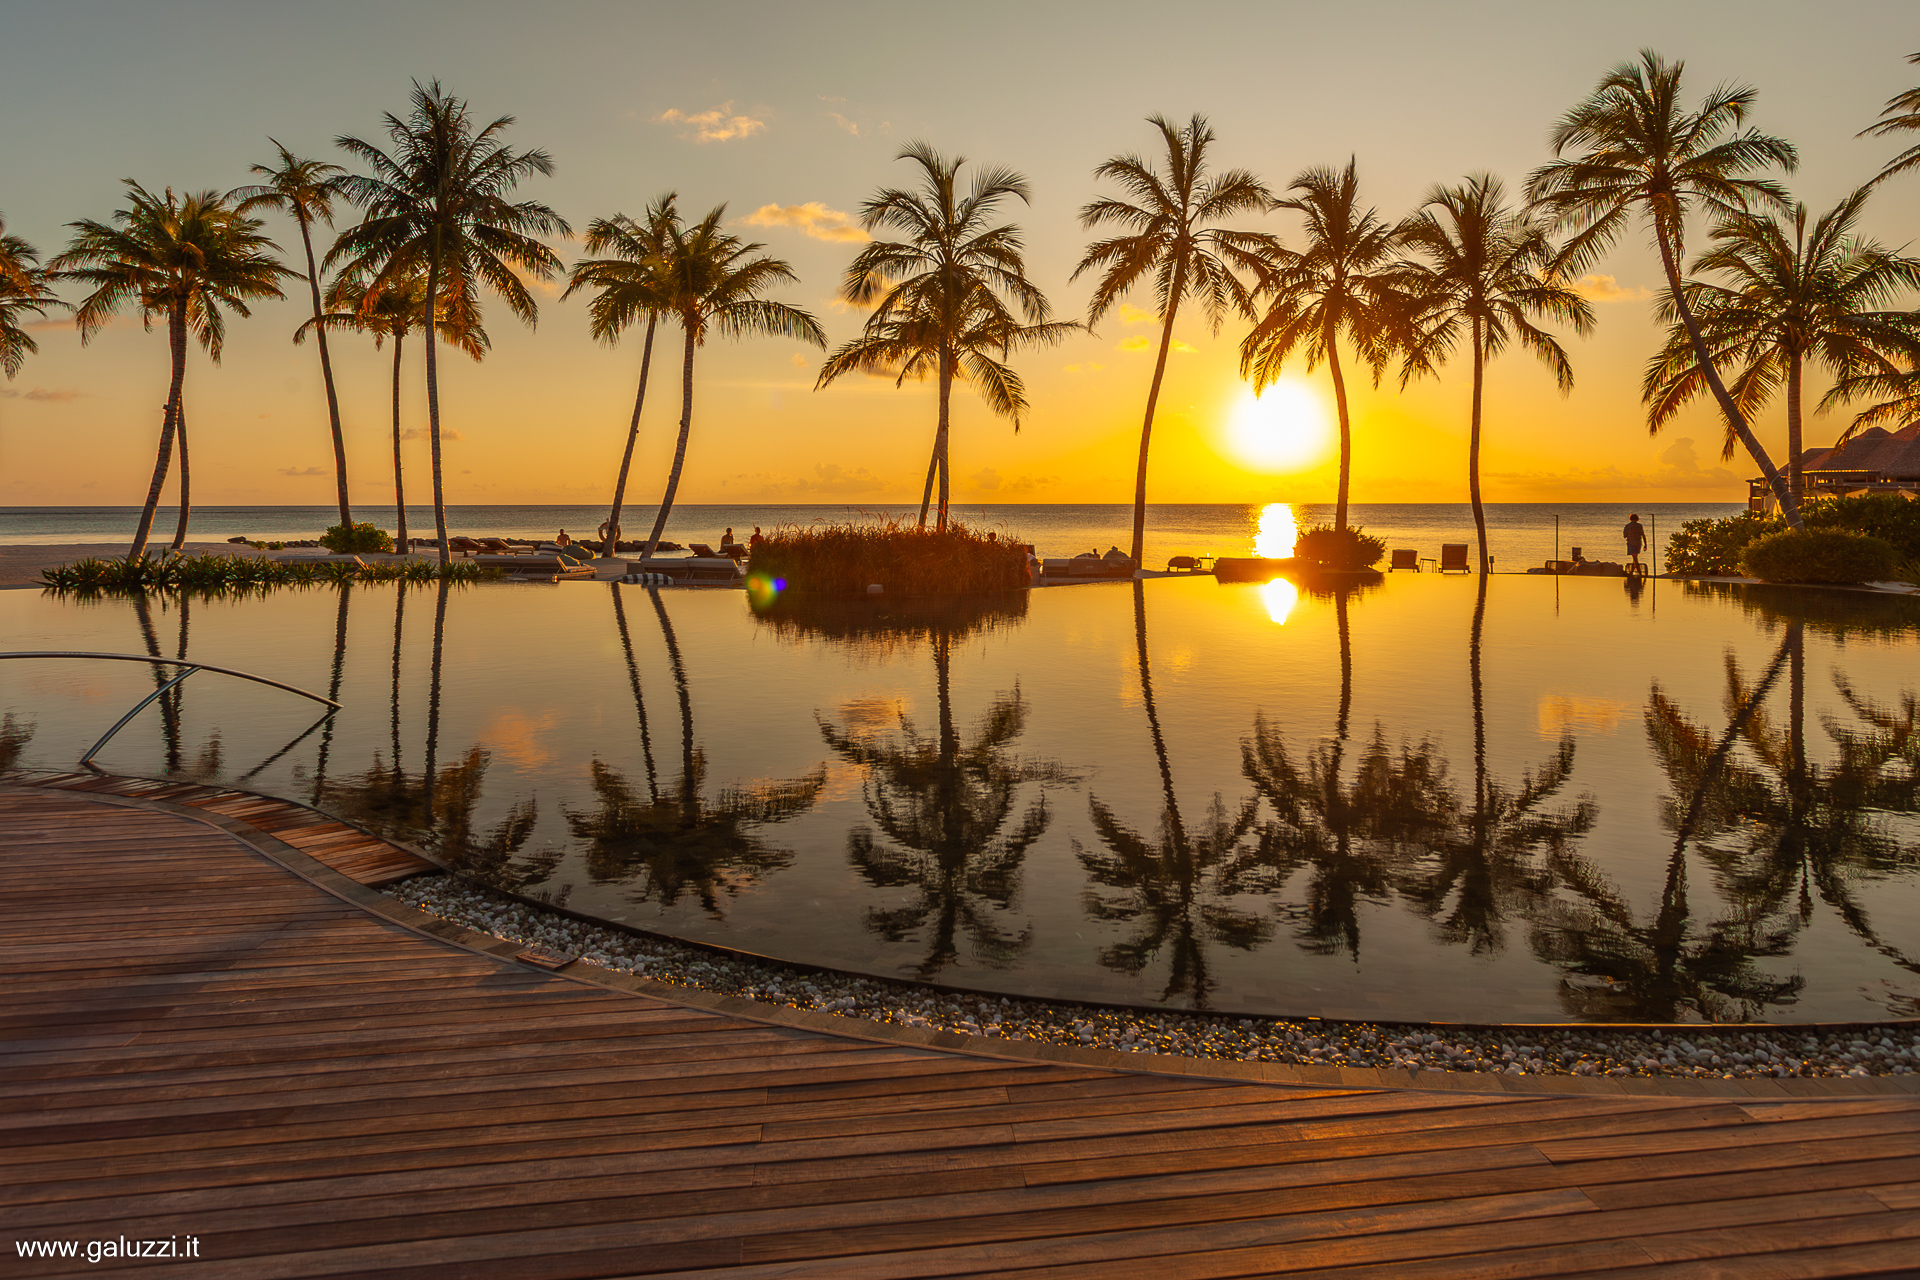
(241, 573)
(1819, 555)
(1714, 547)
(1341, 550)
(1881, 515)
(847, 558)
(343, 541)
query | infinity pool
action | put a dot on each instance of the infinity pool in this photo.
(1509, 799)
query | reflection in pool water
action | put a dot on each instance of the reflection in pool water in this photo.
(1143, 793)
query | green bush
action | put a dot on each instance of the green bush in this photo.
(1881, 515)
(1342, 550)
(1714, 547)
(846, 558)
(1820, 555)
(343, 541)
(242, 573)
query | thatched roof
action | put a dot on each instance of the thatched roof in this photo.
(1889, 453)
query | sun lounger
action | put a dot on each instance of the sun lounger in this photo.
(1087, 567)
(1408, 559)
(708, 570)
(1453, 558)
(464, 546)
(530, 564)
(1190, 564)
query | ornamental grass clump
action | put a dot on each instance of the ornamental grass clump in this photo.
(1820, 555)
(1347, 550)
(213, 573)
(830, 559)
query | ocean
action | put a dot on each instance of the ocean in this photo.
(1520, 534)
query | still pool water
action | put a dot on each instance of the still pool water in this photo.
(1504, 799)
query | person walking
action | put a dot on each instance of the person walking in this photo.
(1636, 539)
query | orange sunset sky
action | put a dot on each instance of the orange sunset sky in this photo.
(792, 115)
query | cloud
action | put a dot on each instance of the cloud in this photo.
(1183, 346)
(1680, 469)
(1141, 342)
(1130, 314)
(829, 479)
(424, 433)
(53, 395)
(716, 125)
(850, 126)
(1089, 367)
(801, 361)
(812, 218)
(989, 480)
(830, 97)
(302, 471)
(1598, 288)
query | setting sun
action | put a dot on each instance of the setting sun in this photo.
(1284, 428)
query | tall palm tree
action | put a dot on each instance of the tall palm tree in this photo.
(1900, 115)
(713, 282)
(1791, 297)
(306, 189)
(1483, 279)
(1638, 149)
(1164, 215)
(394, 312)
(24, 291)
(630, 285)
(1339, 286)
(438, 201)
(184, 258)
(936, 296)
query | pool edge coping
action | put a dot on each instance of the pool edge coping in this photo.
(377, 903)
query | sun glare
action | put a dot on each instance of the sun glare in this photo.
(1282, 429)
(1279, 596)
(1278, 532)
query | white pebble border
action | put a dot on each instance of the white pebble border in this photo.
(1692, 1051)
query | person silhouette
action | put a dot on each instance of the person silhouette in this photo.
(1636, 534)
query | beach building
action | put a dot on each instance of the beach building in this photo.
(1875, 461)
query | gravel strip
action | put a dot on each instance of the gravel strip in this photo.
(1692, 1051)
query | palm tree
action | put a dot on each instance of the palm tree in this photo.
(1165, 214)
(631, 285)
(1640, 149)
(23, 291)
(1900, 115)
(1483, 279)
(306, 189)
(394, 312)
(183, 258)
(936, 298)
(713, 282)
(1339, 286)
(1791, 297)
(439, 202)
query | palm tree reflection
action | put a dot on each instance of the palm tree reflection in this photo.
(942, 805)
(676, 842)
(1173, 885)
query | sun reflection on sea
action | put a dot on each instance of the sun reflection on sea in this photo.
(1279, 596)
(1277, 533)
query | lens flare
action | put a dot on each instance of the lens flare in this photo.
(1279, 596)
(1278, 532)
(763, 589)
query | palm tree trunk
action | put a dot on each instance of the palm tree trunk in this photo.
(689, 774)
(433, 401)
(177, 345)
(633, 679)
(326, 372)
(1735, 419)
(1176, 829)
(400, 541)
(942, 435)
(1473, 447)
(333, 688)
(679, 449)
(1146, 428)
(1346, 429)
(1796, 481)
(611, 546)
(399, 632)
(186, 495)
(926, 494)
(433, 680)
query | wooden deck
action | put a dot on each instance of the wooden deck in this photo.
(199, 1043)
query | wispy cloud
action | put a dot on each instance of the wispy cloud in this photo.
(851, 126)
(301, 471)
(829, 479)
(54, 395)
(719, 124)
(424, 433)
(800, 361)
(1599, 288)
(989, 480)
(1141, 342)
(1130, 314)
(813, 218)
(1679, 469)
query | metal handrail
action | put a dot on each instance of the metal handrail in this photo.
(144, 703)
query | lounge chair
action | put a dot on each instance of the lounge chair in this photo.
(464, 546)
(1453, 558)
(1407, 559)
(501, 547)
(1190, 564)
(706, 570)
